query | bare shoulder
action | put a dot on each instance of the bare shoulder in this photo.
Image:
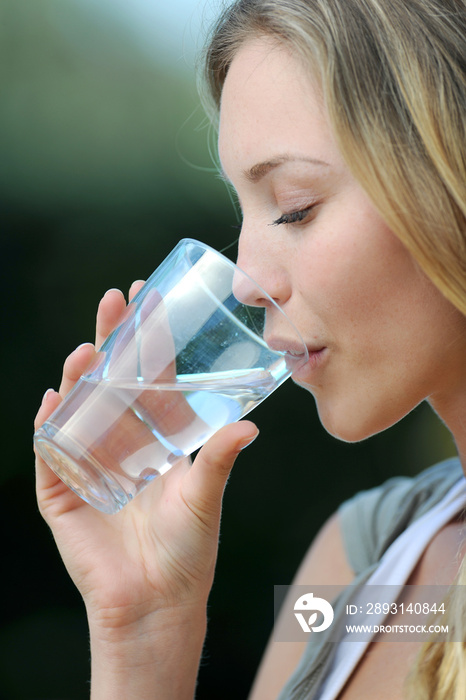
(325, 563)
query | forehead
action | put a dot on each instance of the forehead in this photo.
(270, 104)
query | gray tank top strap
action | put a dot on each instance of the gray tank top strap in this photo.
(373, 519)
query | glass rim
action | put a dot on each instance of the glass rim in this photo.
(184, 242)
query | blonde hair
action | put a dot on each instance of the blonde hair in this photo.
(394, 81)
(393, 76)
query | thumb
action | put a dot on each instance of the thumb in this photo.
(206, 479)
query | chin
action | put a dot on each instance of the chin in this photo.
(349, 433)
(352, 428)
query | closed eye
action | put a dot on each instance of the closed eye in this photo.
(293, 217)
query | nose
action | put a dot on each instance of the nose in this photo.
(265, 264)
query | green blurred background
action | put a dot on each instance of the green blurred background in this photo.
(104, 165)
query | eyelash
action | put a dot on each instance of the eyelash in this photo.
(294, 217)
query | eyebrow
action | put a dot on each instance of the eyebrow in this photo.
(260, 170)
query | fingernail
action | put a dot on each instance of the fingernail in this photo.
(113, 289)
(83, 345)
(249, 441)
(139, 282)
(45, 396)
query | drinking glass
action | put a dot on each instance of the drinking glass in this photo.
(188, 357)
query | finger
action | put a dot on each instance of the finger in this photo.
(75, 365)
(205, 482)
(51, 491)
(50, 401)
(109, 312)
(134, 289)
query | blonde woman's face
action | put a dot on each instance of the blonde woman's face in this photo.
(381, 338)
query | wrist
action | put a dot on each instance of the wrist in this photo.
(158, 653)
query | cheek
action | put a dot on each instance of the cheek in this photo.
(338, 282)
(357, 273)
(359, 291)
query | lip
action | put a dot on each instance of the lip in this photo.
(306, 372)
(307, 360)
(291, 347)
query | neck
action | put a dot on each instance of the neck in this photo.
(452, 411)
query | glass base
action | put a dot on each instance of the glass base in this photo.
(88, 480)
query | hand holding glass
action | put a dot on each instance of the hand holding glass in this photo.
(188, 357)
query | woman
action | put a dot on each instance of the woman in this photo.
(341, 127)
